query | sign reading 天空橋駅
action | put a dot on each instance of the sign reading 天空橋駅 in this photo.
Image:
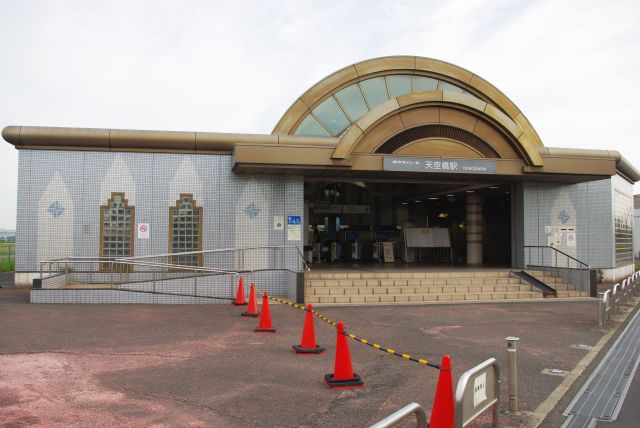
(455, 166)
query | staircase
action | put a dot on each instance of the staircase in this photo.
(562, 288)
(405, 287)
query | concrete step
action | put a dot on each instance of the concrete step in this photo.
(408, 282)
(558, 284)
(431, 289)
(411, 298)
(406, 275)
(572, 293)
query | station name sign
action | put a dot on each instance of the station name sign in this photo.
(455, 166)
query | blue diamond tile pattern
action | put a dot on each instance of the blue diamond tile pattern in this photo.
(252, 210)
(55, 209)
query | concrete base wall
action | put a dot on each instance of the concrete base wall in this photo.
(24, 279)
(617, 274)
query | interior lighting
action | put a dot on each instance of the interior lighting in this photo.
(507, 192)
(405, 203)
(443, 215)
(433, 199)
(451, 196)
(470, 191)
(417, 202)
(494, 187)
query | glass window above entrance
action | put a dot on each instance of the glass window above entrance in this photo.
(338, 111)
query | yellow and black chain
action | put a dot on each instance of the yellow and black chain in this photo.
(392, 351)
(353, 336)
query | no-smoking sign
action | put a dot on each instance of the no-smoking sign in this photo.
(143, 230)
(571, 239)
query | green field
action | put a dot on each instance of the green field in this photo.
(7, 248)
(7, 265)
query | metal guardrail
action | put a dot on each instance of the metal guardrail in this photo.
(477, 390)
(611, 300)
(405, 412)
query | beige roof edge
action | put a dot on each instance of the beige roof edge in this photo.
(623, 166)
(25, 136)
(628, 170)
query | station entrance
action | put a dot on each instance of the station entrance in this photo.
(427, 223)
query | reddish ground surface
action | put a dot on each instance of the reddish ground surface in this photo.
(136, 365)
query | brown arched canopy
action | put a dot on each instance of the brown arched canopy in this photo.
(367, 103)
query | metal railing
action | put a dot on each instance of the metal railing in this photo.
(219, 261)
(478, 389)
(405, 412)
(243, 259)
(559, 264)
(615, 297)
(215, 275)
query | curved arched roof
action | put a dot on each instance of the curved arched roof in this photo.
(360, 91)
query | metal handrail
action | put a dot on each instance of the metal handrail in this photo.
(222, 250)
(561, 252)
(406, 411)
(572, 270)
(141, 261)
(160, 265)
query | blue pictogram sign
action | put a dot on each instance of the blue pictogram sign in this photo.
(293, 219)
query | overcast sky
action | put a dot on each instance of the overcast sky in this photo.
(572, 67)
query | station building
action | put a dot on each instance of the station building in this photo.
(397, 159)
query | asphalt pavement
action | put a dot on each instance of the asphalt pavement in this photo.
(203, 365)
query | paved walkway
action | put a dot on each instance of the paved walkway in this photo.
(602, 396)
(136, 365)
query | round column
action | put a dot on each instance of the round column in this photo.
(474, 229)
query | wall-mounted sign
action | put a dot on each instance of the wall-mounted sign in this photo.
(294, 228)
(571, 239)
(293, 219)
(278, 222)
(143, 230)
(444, 165)
(324, 208)
(356, 209)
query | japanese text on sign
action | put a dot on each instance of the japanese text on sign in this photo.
(460, 166)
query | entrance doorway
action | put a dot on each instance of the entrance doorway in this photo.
(365, 222)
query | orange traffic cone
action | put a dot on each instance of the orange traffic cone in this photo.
(308, 343)
(443, 413)
(264, 325)
(240, 296)
(252, 309)
(343, 375)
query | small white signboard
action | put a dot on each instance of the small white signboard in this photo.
(479, 389)
(143, 230)
(278, 222)
(387, 248)
(571, 239)
(294, 228)
(294, 232)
